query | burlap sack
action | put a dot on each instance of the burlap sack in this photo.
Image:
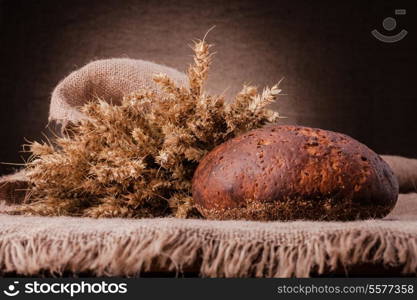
(405, 169)
(112, 247)
(13, 188)
(109, 80)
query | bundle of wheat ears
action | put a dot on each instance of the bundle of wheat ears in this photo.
(137, 159)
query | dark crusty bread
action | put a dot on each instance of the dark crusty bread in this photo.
(293, 172)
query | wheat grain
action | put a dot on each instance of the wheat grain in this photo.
(137, 159)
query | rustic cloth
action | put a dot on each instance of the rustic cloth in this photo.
(108, 79)
(126, 247)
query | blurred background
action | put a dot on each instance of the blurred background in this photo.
(337, 75)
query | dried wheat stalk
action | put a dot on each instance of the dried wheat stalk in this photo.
(137, 159)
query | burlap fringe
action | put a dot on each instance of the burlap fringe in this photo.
(130, 255)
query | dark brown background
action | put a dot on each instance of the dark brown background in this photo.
(337, 76)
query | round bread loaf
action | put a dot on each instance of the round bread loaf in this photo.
(293, 172)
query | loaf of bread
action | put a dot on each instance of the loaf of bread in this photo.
(13, 188)
(293, 172)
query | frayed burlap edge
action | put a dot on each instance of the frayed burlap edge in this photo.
(122, 247)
